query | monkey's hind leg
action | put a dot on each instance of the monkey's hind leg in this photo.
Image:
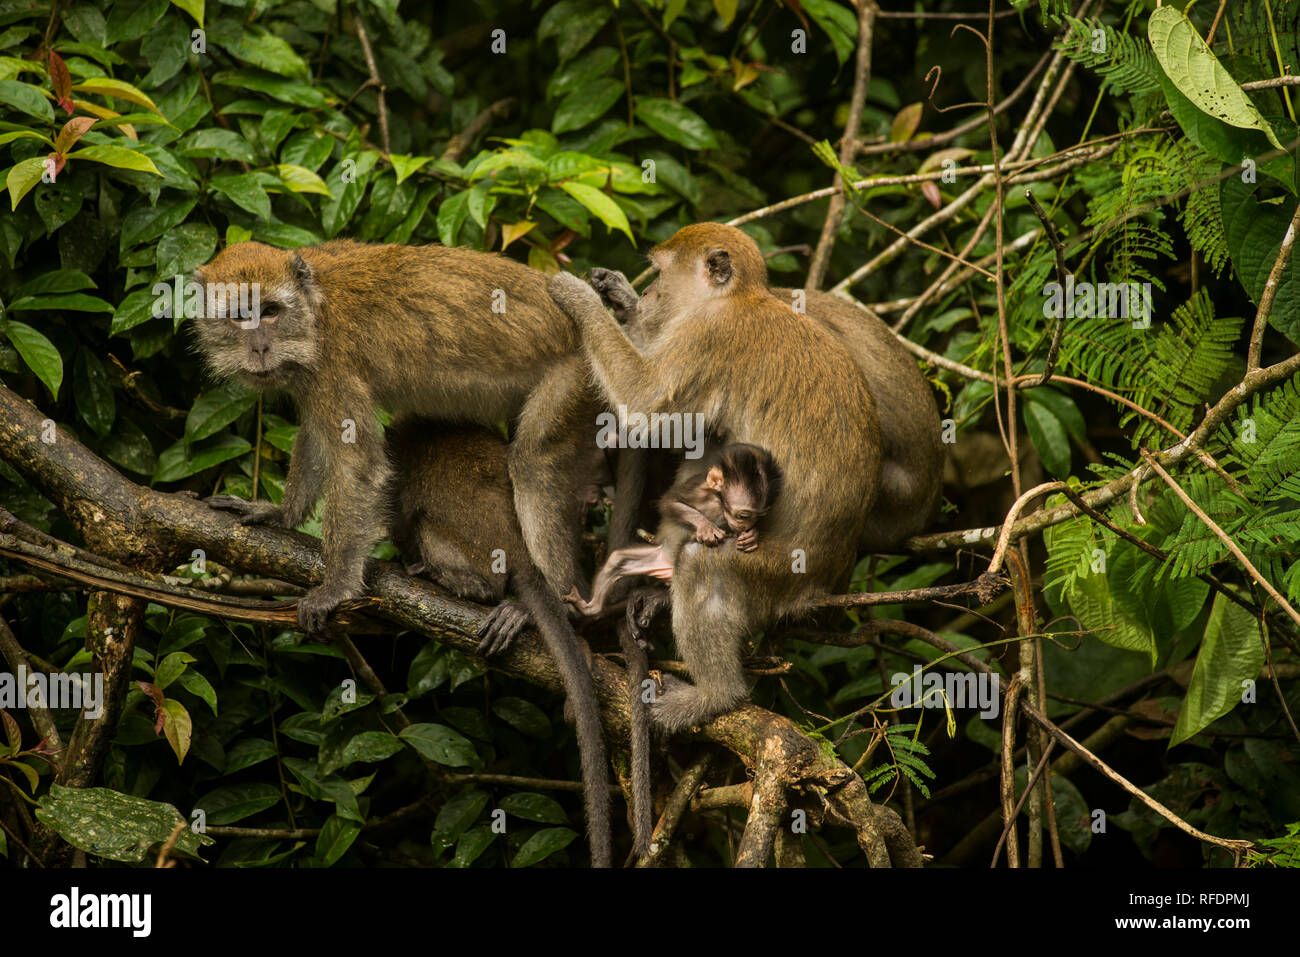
(708, 626)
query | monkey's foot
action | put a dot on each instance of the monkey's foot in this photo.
(507, 620)
(642, 607)
(584, 607)
(250, 513)
(681, 706)
(315, 607)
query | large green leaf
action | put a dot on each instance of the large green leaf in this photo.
(604, 208)
(1199, 75)
(1254, 232)
(39, 354)
(27, 99)
(1231, 654)
(675, 122)
(441, 744)
(217, 408)
(113, 825)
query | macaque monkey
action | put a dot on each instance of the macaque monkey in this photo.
(728, 496)
(787, 385)
(454, 519)
(911, 469)
(450, 334)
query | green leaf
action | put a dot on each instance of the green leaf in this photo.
(178, 728)
(25, 134)
(286, 91)
(1197, 73)
(1254, 233)
(145, 223)
(441, 744)
(193, 7)
(93, 393)
(182, 459)
(185, 247)
(115, 826)
(72, 301)
(451, 217)
(217, 408)
(573, 23)
(58, 280)
(455, 817)
(171, 668)
(116, 156)
(726, 9)
(22, 177)
(301, 180)
(523, 716)
(231, 804)
(404, 166)
(1231, 653)
(135, 308)
(585, 105)
(27, 99)
(216, 143)
(253, 45)
(471, 846)
(245, 190)
(336, 836)
(534, 807)
(118, 89)
(604, 208)
(675, 122)
(39, 354)
(840, 24)
(542, 845)
(371, 746)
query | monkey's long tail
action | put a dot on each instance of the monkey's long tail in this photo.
(637, 674)
(552, 620)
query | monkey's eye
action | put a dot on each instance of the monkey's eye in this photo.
(744, 516)
(270, 311)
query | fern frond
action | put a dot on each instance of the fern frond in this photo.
(1125, 63)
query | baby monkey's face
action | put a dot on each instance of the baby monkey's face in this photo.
(740, 506)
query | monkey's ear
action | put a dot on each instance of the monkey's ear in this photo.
(718, 265)
(302, 272)
(714, 479)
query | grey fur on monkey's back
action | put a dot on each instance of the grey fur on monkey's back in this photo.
(911, 471)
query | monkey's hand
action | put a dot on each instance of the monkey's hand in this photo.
(747, 541)
(507, 620)
(615, 291)
(250, 513)
(574, 296)
(709, 534)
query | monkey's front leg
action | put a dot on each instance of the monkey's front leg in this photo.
(354, 520)
(624, 375)
(302, 489)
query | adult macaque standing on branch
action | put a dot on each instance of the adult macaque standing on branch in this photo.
(718, 342)
(450, 334)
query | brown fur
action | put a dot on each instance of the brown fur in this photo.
(787, 385)
(454, 515)
(411, 329)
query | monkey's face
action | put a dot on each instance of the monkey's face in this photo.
(258, 316)
(740, 508)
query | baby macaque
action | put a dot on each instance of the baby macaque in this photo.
(730, 496)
